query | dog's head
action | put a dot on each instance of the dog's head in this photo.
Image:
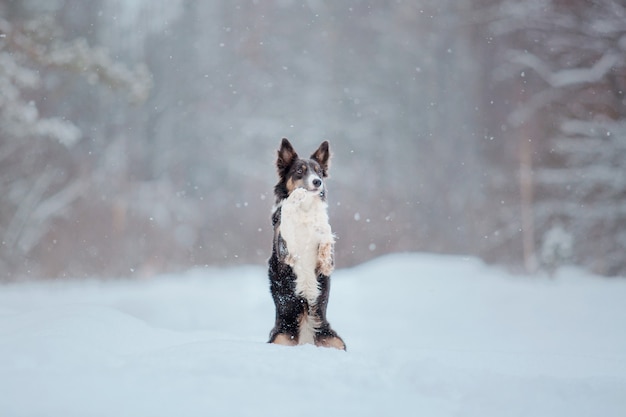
(294, 172)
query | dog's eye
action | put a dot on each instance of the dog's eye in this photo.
(299, 171)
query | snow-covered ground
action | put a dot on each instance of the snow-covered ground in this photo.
(427, 336)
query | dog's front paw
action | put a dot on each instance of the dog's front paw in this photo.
(298, 195)
(325, 259)
(301, 198)
(324, 233)
(290, 260)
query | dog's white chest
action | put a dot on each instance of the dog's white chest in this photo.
(304, 226)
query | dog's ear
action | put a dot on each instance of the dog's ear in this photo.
(322, 156)
(286, 156)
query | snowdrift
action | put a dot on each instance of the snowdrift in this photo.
(427, 335)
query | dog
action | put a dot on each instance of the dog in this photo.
(303, 250)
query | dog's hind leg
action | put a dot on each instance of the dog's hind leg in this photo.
(330, 342)
(325, 336)
(289, 307)
(283, 339)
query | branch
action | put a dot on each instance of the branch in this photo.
(568, 77)
(46, 210)
(37, 40)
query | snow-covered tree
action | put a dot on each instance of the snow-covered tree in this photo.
(453, 124)
(39, 171)
(567, 61)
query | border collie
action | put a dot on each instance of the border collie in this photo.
(302, 252)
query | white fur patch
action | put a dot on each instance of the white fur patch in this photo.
(313, 187)
(304, 226)
(308, 327)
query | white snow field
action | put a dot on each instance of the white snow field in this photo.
(427, 335)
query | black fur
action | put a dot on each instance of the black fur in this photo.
(290, 307)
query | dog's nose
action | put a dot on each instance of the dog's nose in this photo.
(317, 182)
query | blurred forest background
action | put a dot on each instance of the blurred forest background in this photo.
(139, 136)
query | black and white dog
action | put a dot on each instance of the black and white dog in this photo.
(302, 252)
